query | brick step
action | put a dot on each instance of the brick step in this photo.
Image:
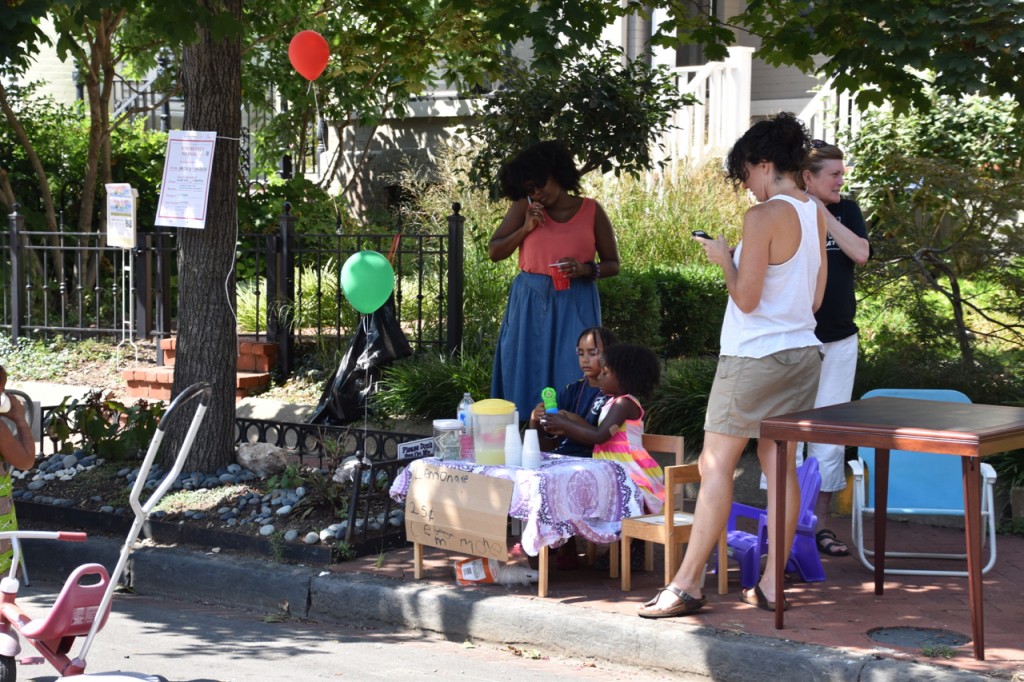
(253, 356)
(155, 383)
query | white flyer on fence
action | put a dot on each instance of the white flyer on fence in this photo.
(121, 203)
(185, 190)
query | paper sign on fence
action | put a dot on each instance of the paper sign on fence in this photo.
(121, 202)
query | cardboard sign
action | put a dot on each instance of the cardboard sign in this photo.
(457, 510)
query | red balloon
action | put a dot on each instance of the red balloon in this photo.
(308, 53)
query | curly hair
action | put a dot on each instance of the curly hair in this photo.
(782, 140)
(636, 367)
(535, 165)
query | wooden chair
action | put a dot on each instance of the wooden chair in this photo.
(670, 530)
(652, 443)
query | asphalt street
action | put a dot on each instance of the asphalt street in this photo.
(202, 642)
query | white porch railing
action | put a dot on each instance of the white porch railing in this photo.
(721, 113)
(709, 127)
(831, 114)
(140, 93)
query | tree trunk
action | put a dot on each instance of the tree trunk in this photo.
(99, 86)
(207, 346)
(33, 158)
(44, 189)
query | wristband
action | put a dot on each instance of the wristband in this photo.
(595, 269)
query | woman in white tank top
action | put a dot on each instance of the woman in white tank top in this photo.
(770, 359)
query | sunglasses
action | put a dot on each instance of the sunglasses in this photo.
(818, 144)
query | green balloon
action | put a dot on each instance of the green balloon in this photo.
(367, 279)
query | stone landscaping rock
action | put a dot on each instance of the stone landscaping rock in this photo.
(262, 458)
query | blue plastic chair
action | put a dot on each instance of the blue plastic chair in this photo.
(920, 483)
(747, 548)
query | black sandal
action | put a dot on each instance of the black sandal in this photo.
(829, 544)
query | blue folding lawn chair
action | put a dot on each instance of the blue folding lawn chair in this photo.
(920, 483)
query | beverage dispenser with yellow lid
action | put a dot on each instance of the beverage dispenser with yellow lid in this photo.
(490, 417)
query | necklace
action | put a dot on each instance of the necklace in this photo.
(584, 385)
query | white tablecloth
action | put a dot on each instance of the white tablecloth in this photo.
(566, 496)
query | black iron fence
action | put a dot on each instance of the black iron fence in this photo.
(370, 524)
(73, 284)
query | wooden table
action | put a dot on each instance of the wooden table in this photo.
(969, 431)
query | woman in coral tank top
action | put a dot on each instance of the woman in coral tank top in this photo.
(558, 235)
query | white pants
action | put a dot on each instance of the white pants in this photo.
(838, 368)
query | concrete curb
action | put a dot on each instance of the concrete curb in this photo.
(578, 632)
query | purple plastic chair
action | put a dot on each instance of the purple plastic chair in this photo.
(747, 548)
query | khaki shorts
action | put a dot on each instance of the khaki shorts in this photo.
(747, 390)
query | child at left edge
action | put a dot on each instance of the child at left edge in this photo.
(18, 451)
(627, 371)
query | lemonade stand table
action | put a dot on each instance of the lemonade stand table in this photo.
(566, 496)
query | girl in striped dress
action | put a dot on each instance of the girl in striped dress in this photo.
(627, 371)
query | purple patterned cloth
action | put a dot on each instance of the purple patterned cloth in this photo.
(566, 496)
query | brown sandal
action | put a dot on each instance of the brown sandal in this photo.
(760, 601)
(687, 604)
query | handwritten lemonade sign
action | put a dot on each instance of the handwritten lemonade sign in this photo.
(458, 511)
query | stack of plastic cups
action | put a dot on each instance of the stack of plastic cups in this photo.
(513, 446)
(531, 450)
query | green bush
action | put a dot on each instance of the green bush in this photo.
(679, 403)
(675, 310)
(693, 300)
(631, 307)
(430, 386)
(653, 216)
(986, 380)
(102, 426)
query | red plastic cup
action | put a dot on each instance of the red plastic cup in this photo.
(560, 279)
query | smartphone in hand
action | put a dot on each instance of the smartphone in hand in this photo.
(702, 234)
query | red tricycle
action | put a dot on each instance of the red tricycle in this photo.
(83, 605)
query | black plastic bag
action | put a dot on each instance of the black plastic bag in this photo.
(378, 341)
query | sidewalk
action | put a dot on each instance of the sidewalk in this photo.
(840, 613)
(586, 615)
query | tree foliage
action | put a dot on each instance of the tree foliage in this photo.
(384, 55)
(878, 49)
(610, 112)
(945, 190)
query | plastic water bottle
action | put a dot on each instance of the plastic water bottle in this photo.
(465, 414)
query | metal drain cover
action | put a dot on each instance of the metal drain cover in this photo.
(916, 638)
